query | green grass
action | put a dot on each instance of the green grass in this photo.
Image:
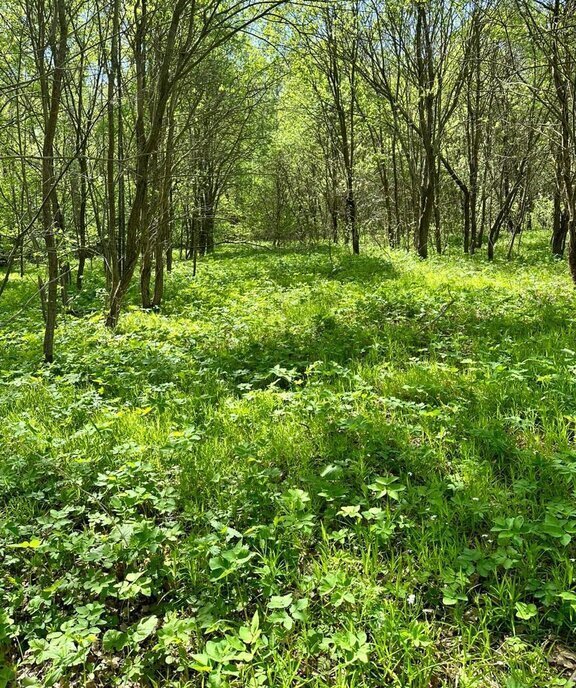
(308, 470)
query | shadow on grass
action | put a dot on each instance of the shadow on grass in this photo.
(285, 266)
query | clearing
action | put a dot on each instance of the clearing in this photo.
(310, 469)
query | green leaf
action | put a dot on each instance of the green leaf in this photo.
(144, 629)
(298, 609)
(280, 602)
(525, 611)
(114, 640)
(28, 544)
(352, 511)
(282, 617)
(7, 675)
(387, 486)
(250, 634)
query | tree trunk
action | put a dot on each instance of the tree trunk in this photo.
(560, 226)
(426, 114)
(82, 220)
(466, 207)
(146, 266)
(572, 249)
(48, 177)
(351, 224)
(111, 243)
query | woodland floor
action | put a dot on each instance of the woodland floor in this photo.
(308, 470)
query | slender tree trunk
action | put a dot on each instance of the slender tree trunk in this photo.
(164, 219)
(466, 208)
(111, 247)
(146, 265)
(58, 44)
(351, 223)
(82, 220)
(170, 231)
(396, 185)
(559, 226)
(426, 109)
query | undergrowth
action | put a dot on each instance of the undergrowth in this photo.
(308, 470)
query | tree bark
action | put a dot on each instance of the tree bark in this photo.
(58, 42)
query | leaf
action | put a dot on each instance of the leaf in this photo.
(229, 561)
(255, 625)
(203, 663)
(298, 609)
(352, 511)
(525, 611)
(28, 544)
(7, 675)
(249, 634)
(131, 577)
(282, 617)
(144, 629)
(387, 486)
(330, 471)
(451, 597)
(280, 602)
(114, 640)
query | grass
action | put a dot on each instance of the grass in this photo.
(308, 470)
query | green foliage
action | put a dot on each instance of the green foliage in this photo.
(303, 472)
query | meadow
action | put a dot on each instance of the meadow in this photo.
(309, 469)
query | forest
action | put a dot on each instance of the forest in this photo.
(288, 343)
